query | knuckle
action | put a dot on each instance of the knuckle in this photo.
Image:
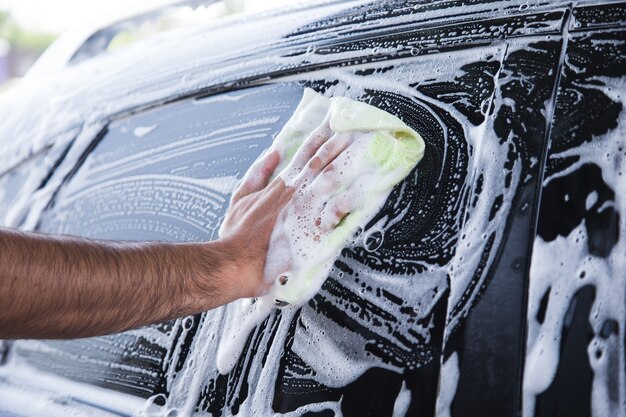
(315, 163)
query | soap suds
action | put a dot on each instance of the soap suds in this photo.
(141, 131)
(449, 379)
(561, 267)
(336, 356)
(401, 406)
(90, 100)
(53, 395)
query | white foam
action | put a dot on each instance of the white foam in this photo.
(54, 395)
(403, 401)
(564, 265)
(449, 379)
(320, 342)
(141, 131)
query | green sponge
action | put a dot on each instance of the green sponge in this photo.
(380, 151)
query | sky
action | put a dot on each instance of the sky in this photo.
(58, 16)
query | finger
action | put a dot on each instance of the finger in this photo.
(257, 176)
(323, 158)
(307, 150)
(335, 211)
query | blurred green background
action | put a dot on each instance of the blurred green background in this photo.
(19, 48)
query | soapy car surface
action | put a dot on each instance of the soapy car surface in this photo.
(366, 152)
(488, 284)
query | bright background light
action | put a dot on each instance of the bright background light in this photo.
(57, 16)
(28, 27)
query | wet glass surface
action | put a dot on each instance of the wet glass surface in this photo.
(164, 175)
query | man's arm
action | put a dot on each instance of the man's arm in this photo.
(58, 286)
(67, 287)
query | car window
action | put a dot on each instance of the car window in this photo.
(19, 181)
(164, 175)
(11, 183)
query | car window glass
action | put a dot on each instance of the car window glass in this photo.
(163, 175)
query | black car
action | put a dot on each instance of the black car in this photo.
(492, 282)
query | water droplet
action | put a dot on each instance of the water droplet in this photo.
(374, 240)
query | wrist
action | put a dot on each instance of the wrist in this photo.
(212, 278)
(233, 274)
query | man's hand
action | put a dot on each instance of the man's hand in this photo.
(66, 287)
(249, 223)
(257, 202)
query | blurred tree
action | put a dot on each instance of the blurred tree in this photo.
(4, 16)
(21, 39)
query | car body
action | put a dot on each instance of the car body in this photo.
(491, 283)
